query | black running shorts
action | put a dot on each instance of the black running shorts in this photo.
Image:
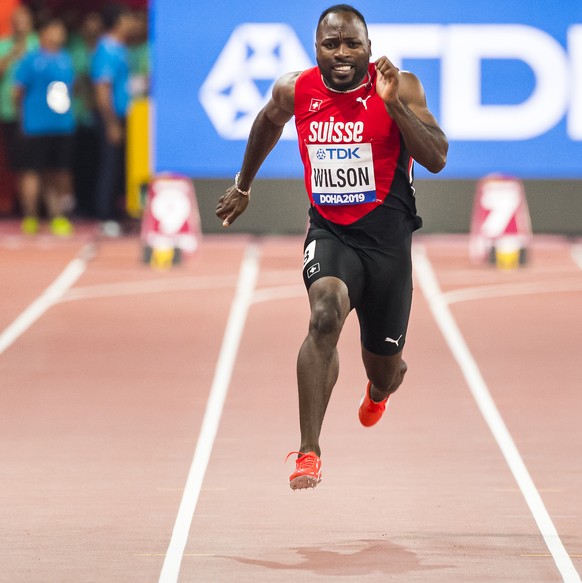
(379, 283)
(46, 152)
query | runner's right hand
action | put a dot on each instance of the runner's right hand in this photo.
(230, 205)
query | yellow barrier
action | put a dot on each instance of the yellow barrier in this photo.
(138, 155)
(507, 260)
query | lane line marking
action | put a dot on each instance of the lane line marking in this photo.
(286, 292)
(247, 279)
(460, 350)
(190, 283)
(185, 554)
(547, 555)
(50, 296)
(547, 490)
(576, 253)
(506, 290)
(131, 288)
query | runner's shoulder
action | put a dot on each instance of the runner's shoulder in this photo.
(284, 90)
(286, 83)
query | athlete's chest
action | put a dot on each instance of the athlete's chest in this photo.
(343, 119)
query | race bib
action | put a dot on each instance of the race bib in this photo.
(57, 97)
(342, 174)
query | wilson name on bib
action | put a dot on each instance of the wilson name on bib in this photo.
(342, 173)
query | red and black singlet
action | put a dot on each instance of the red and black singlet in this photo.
(358, 173)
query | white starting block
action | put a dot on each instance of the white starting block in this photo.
(171, 221)
(500, 226)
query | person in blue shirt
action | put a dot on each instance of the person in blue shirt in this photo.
(43, 89)
(110, 76)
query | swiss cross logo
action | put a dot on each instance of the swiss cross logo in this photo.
(315, 105)
(313, 270)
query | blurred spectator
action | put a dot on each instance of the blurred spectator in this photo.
(139, 56)
(43, 90)
(81, 45)
(110, 75)
(12, 49)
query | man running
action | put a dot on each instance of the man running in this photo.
(360, 127)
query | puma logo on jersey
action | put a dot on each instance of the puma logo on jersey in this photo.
(394, 341)
(363, 101)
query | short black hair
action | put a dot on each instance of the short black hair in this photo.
(111, 14)
(337, 8)
(50, 20)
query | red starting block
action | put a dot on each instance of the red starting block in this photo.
(171, 221)
(501, 225)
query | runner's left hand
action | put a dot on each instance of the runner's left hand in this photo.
(387, 81)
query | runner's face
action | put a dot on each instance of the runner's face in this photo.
(342, 50)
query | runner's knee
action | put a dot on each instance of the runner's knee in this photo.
(387, 379)
(329, 308)
(326, 318)
(400, 374)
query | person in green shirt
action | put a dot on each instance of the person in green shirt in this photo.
(12, 48)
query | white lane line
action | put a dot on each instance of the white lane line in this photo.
(130, 288)
(199, 282)
(507, 290)
(285, 292)
(226, 360)
(452, 334)
(576, 252)
(48, 298)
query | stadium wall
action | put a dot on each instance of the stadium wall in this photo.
(280, 206)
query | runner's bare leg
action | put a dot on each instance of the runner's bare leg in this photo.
(318, 361)
(386, 373)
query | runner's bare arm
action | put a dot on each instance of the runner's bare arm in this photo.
(265, 133)
(405, 101)
(18, 98)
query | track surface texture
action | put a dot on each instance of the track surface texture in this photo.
(146, 416)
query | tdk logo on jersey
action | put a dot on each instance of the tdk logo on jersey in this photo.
(240, 81)
(338, 153)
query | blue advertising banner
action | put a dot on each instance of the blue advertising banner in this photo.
(504, 79)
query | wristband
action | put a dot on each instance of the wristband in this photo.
(243, 192)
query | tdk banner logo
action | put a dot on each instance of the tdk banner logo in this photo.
(240, 81)
(462, 49)
(255, 55)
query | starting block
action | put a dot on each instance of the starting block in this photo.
(171, 221)
(500, 226)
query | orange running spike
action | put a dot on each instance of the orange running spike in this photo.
(307, 472)
(370, 411)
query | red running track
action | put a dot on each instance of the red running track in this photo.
(105, 389)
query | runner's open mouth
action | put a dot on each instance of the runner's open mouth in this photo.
(343, 68)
